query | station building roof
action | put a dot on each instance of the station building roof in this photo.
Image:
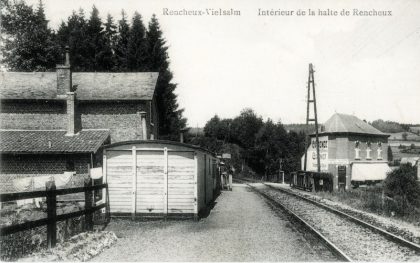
(349, 124)
(90, 85)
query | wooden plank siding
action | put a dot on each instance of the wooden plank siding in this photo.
(119, 178)
(181, 182)
(169, 179)
(150, 182)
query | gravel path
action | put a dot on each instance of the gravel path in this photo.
(241, 227)
(360, 243)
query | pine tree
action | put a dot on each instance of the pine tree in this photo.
(98, 51)
(29, 43)
(74, 35)
(137, 45)
(171, 120)
(156, 47)
(110, 35)
(121, 48)
(110, 30)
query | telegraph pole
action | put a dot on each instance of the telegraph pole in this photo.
(281, 171)
(312, 100)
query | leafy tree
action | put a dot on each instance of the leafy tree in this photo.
(171, 120)
(273, 142)
(245, 127)
(295, 150)
(217, 128)
(262, 144)
(402, 186)
(137, 45)
(29, 43)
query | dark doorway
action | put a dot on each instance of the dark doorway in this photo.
(342, 177)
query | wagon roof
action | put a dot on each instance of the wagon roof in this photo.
(51, 141)
(90, 85)
(195, 147)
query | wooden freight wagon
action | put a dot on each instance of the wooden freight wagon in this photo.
(159, 178)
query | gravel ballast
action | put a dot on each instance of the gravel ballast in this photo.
(360, 243)
(398, 227)
(241, 227)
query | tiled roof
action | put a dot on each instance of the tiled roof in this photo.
(51, 141)
(90, 86)
(344, 123)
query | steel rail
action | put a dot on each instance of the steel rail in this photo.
(341, 256)
(383, 232)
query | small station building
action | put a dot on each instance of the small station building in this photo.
(350, 149)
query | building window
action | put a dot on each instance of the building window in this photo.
(357, 150)
(368, 150)
(379, 151)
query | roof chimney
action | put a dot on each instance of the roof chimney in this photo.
(64, 76)
(182, 134)
(67, 62)
(143, 124)
(71, 114)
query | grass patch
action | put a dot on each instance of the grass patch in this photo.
(371, 199)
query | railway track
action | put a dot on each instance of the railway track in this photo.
(349, 238)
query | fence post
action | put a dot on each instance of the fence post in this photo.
(51, 213)
(88, 205)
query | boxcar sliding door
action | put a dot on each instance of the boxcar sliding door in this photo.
(150, 196)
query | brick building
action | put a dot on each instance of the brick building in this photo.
(121, 102)
(51, 122)
(351, 150)
(46, 153)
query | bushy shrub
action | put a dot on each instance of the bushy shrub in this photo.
(401, 185)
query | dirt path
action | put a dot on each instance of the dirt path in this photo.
(241, 227)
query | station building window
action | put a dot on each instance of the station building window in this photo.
(357, 150)
(379, 151)
(368, 150)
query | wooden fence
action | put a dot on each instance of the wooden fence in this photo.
(52, 218)
(312, 181)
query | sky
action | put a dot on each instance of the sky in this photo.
(368, 66)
